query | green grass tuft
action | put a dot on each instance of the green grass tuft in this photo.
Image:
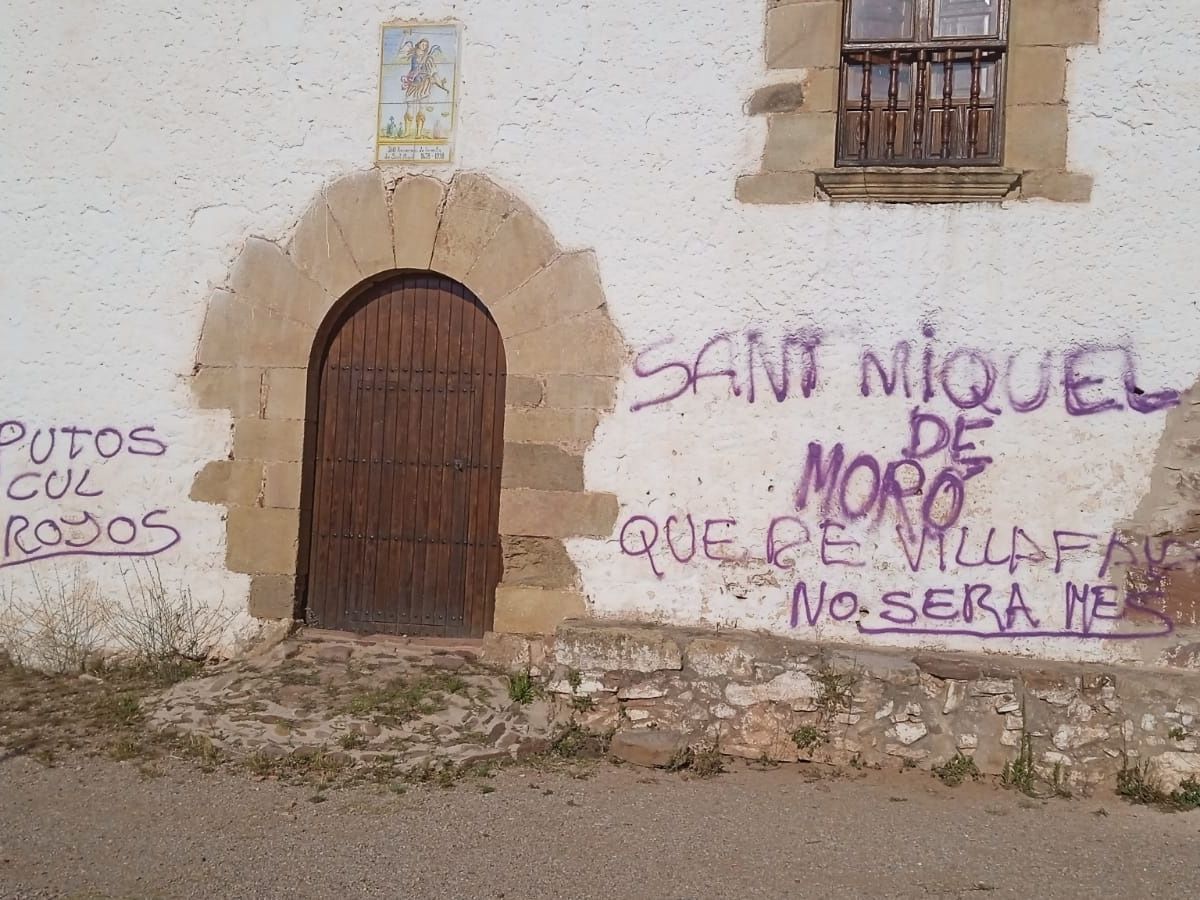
(522, 688)
(956, 770)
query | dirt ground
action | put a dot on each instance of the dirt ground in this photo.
(321, 711)
(99, 800)
(91, 827)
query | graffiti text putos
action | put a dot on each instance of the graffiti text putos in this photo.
(55, 502)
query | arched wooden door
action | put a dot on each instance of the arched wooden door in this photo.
(405, 455)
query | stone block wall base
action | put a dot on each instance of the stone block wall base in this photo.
(756, 695)
(517, 652)
(262, 640)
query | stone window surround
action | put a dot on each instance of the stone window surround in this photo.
(797, 162)
(564, 357)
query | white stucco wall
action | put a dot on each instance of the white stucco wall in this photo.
(145, 140)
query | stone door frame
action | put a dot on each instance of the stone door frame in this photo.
(564, 357)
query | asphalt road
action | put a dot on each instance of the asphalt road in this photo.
(95, 828)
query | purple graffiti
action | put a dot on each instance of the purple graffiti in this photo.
(647, 533)
(1093, 379)
(27, 541)
(1008, 548)
(838, 605)
(105, 442)
(976, 607)
(920, 494)
(1017, 545)
(743, 362)
(866, 487)
(784, 534)
(922, 486)
(982, 610)
(54, 465)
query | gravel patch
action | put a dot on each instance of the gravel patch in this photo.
(95, 828)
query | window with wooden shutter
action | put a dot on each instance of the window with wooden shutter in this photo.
(922, 83)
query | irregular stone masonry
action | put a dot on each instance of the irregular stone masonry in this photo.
(411, 705)
(758, 696)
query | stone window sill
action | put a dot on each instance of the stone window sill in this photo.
(936, 185)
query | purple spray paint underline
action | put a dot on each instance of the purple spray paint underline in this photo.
(62, 553)
(1015, 635)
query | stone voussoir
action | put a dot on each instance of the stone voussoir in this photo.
(416, 207)
(474, 210)
(358, 203)
(236, 333)
(523, 391)
(589, 344)
(266, 275)
(569, 286)
(258, 338)
(286, 393)
(319, 249)
(521, 246)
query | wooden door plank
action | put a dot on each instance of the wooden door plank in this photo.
(357, 471)
(394, 411)
(441, 460)
(425, 448)
(409, 496)
(466, 450)
(343, 417)
(433, 472)
(448, 459)
(322, 541)
(492, 442)
(406, 477)
(377, 378)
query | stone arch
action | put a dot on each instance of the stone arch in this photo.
(564, 357)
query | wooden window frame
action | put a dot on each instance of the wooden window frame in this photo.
(860, 58)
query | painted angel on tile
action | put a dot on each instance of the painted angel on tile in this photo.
(419, 82)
